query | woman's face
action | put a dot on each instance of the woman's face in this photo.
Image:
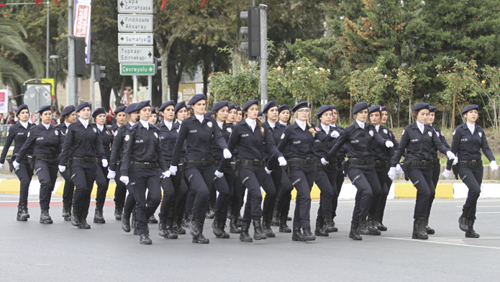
(471, 116)
(84, 113)
(168, 113)
(24, 115)
(100, 119)
(221, 114)
(181, 114)
(145, 113)
(423, 115)
(46, 117)
(71, 117)
(383, 119)
(253, 112)
(303, 114)
(326, 118)
(121, 117)
(375, 118)
(335, 116)
(231, 116)
(134, 117)
(362, 115)
(152, 119)
(272, 114)
(430, 119)
(199, 107)
(239, 116)
(284, 116)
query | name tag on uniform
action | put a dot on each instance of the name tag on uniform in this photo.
(355, 141)
(414, 140)
(464, 140)
(193, 131)
(297, 142)
(20, 133)
(39, 138)
(139, 141)
(244, 135)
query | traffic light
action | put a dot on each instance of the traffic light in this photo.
(80, 56)
(98, 74)
(252, 31)
(157, 62)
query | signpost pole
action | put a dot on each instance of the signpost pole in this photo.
(150, 87)
(134, 78)
(92, 79)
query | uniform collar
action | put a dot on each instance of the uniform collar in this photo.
(199, 118)
(251, 122)
(100, 126)
(420, 126)
(67, 124)
(24, 124)
(168, 124)
(220, 124)
(271, 124)
(471, 127)
(47, 126)
(282, 123)
(302, 124)
(326, 128)
(144, 123)
(85, 123)
(359, 124)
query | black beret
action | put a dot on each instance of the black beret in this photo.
(143, 104)
(250, 103)
(22, 107)
(469, 108)
(44, 109)
(259, 114)
(334, 107)
(98, 111)
(300, 105)
(197, 98)
(209, 114)
(420, 106)
(323, 109)
(269, 105)
(153, 110)
(219, 105)
(375, 108)
(68, 110)
(359, 107)
(231, 106)
(120, 109)
(166, 104)
(82, 106)
(384, 108)
(238, 108)
(432, 109)
(179, 106)
(283, 107)
(131, 108)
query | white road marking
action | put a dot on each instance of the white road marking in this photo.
(444, 243)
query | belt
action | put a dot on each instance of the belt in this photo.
(13, 157)
(255, 162)
(46, 156)
(200, 162)
(385, 164)
(326, 167)
(359, 161)
(143, 164)
(473, 163)
(307, 161)
(435, 161)
(422, 163)
(83, 160)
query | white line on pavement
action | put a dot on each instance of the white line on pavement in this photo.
(443, 243)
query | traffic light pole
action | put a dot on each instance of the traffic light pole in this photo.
(263, 53)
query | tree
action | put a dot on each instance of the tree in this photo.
(403, 85)
(490, 87)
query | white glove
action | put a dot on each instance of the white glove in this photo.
(267, 170)
(392, 173)
(399, 170)
(282, 161)
(227, 154)
(111, 174)
(455, 161)
(446, 174)
(493, 165)
(15, 165)
(324, 162)
(166, 174)
(1, 166)
(173, 169)
(450, 155)
(124, 179)
(219, 174)
(104, 163)
(335, 134)
(389, 144)
(62, 168)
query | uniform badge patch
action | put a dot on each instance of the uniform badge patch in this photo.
(127, 137)
(29, 134)
(430, 133)
(209, 124)
(385, 131)
(403, 132)
(95, 130)
(156, 135)
(115, 133)
(56, 132)
(371, 133)
(480, 134)
(317, 129)
(66, 131)
(229, 129)
(7, 133)
(454, 132)
(282, 135)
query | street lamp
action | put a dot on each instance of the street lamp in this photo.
(55, 58)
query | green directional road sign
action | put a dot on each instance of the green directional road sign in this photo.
(131, 69)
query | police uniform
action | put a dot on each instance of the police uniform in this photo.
(419, 140)
(142, 158)
(467, 142)
(45, 142)
(200, 170)
(80, 148)
(69, 186)
(101, 174)
(234, 183)
(121, 188)
(251, 141)
(359, 139)
(18, 133)
(340, 177)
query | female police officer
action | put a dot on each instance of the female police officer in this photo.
(81, 146)
(199, 132)
(419, 140)
(361, 169)
(468, 140)
(68, 116)
(45, 141)
(18, 133)
(121, 189)
(141, 158)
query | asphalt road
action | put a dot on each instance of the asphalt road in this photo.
(31, 251)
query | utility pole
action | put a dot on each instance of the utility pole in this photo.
(92, 80)
(263, 53)
(48, 37)
(71, 57)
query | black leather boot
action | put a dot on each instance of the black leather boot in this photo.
(118, 211)
(133, 222)
(98, 216)
(178, 226)
(428, 229)
(126, 221)
(372, 229)
(258, 231)
(414, 234)
(221, 225)
(152, 219)
(145, 240)
(21, 216)
(169, 229)
(266, 225)
(421, 234)
(297, 234)
(463, 221)
(186, 220)
(215, 227)
(75, 217)
(354, 233)
(25, 211)
(233, 225)
(211, 210)
(276, 216)
(195, 227)
(320, 230)
(83, 221)
(244, 236)
(380, 226)
(162, 225)
(470, 233)
(363, 229)
(66, 212)
(45, 217)
(283, 227)
(329, 225)
(308, 236)
(201, 239)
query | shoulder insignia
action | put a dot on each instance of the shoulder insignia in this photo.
(480, 134)
(454, 131)
(156, 135)
(385, 131)
(430, 133)
(7, 133)
(127, 137)
(115, 133)
(209, 124)
(317, 129)
(371, 133)
(229, 129)
(66, 131)
(56, 132)
(282, 135)
(95, 130)
(403, 132)
(29, 134)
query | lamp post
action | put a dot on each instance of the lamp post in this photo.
(56, 60)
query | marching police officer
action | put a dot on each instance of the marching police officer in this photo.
(80, 148)
(121, 189)
(419, 140)
(18, 133)
(141, 158)
(45, 142)
(468, 140)
(237, 187)
(339, 180)
(68, 116)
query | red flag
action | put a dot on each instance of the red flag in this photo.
(163, 4)
(57, 2)
(203, 3)
(39, 2)
(1, 5)
(111, 114)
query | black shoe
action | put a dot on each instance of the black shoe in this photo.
(210, 214)
(118, 212)
(216, 228)
(259, 233)
(223, 235)
(266, 226)
(363, 228)
(126, 222)
(178, 226)
(420, 233)
(276, 217)
(463, 222)
(329, 225)
(75, 217)
(470, 233)
(320, 230)
(83, 221)
(288, 218)
(162, 226)
(21, 215)
(429, 230)
(98, 217)
(244, 236)
(66, 212)
(354, 233)
(45, 217)
(297, 235)
(308, 236)
(170, 233)
(372, 229)
(283, 227)
(380, 226)
(145, 240)
(233, 226)
(201, 240)
(152, 219)
(195, 227)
